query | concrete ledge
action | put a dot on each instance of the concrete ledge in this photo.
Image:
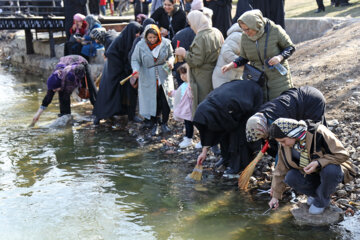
(304, 29)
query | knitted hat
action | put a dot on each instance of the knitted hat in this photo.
(79, 17)
(286, 127)
(54, 81)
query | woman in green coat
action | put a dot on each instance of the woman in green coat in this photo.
(202, 55)
(279, 48)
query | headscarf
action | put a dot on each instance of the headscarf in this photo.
(147, 31)
(286, 127)
(142, 17)
(54, 81)
(91, 21)
(121, 46)
(256, 127)
(254, 20)
(98, 34)
(198, 21)
(197, 5)
(79, 17)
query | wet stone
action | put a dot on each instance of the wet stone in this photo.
(342, 201)
(341, 193)
(331, 215)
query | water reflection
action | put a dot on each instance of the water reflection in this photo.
(87, 183)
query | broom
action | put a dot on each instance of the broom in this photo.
(176, 56)
(248, 171)
(122, 82)
(197, 172)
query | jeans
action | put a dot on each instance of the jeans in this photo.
(103, 10)
(318, 185)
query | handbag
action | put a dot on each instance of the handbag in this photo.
(252, 73)
(84, 92)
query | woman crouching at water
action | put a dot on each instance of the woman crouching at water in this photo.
(311, 160)
(70, 73)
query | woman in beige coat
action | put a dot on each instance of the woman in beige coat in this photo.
(202, 55)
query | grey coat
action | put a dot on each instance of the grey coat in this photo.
(142, 61)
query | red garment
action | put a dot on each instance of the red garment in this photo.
(102, 2)
(82, 30)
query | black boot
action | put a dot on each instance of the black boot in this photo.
(165, 128)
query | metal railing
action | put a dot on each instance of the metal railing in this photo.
(28, 8)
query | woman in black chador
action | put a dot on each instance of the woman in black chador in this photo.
(222, 117)
(113, 98)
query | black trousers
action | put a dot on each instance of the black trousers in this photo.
(162, 107)
(64, 99)
(189, 129)
(320, 4)
(91, 85)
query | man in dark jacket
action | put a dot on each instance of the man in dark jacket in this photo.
(71, 7)
(222, 117)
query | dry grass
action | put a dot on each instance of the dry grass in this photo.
(307, 8)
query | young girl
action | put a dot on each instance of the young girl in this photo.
(183, 106)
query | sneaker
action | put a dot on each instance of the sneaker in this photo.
(230, 171)
(186, 142)
(198, 145)
(310, 201)
(165, 128)
(315, 210)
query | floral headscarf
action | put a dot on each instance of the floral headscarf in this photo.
(256, 127)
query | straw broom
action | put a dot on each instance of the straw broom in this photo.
(197, 172)
(122, 82)
(249, 170)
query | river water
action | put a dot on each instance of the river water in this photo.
(96, 183)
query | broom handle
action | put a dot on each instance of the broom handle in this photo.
(265, 147)
(122, 82)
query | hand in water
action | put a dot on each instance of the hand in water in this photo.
(274, 203)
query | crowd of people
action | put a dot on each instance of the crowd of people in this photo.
(237, 92)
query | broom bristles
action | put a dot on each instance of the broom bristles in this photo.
(197, 172)
(248, 172)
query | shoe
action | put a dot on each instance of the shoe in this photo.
(315, 210)
(137, 119)
(320, 10)
(220, 162)
(96, 121)
(230, 171)
(345, 4)
(154, 130)
(147, 124)
(310, 201)
(165, 128)
(198, 145)
(186, 142)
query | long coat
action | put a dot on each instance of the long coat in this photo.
(277, 42)
(178, 20)
(143, 61)
(229, 52)
(201, 58)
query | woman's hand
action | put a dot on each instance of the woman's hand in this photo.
(274, 203)
(74, 27)
(202, 156)
(180, 51)
(37, 116)
(164, 32)
(136, 75)
(170, 65)
(227, 67)
(311, 167)
(275, 60)
(170, 93)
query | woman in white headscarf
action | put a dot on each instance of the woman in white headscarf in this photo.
(202, 55)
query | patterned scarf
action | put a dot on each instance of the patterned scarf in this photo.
(256, 127)
(286, 127)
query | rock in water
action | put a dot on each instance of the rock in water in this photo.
(331, 215)
(61, 122)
